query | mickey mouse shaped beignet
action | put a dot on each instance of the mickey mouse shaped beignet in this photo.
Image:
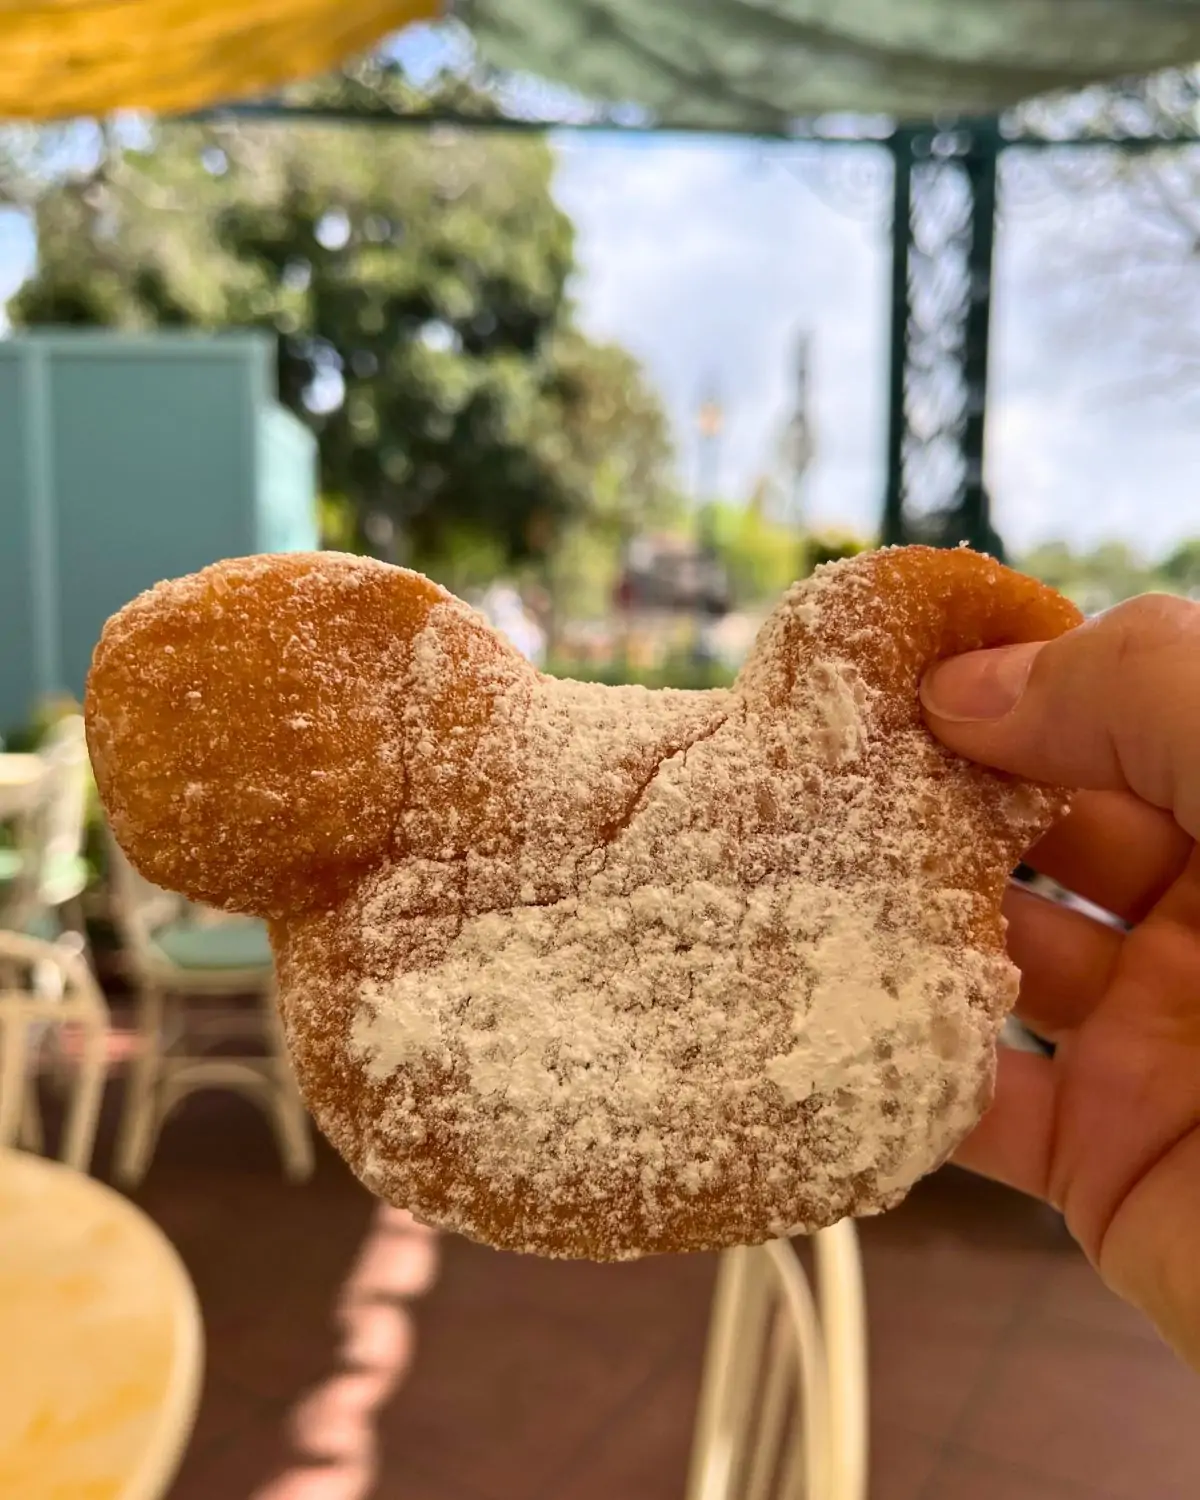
(582, 970)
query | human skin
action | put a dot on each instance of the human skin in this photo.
(1108, 1130)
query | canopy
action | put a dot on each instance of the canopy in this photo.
(750, 65)
(60, 58)
(760, 64)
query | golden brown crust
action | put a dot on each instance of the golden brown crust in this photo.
(592, 971)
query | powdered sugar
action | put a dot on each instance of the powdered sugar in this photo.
(712, 967)
(584, 970)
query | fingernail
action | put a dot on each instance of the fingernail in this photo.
(981, 685)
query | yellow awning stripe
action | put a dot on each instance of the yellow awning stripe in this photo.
(61, 58)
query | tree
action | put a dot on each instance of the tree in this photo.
(1054, 563)
(761, 556)
(1181, 568)
(418, 284)
(1101, 577)
(1119, 231)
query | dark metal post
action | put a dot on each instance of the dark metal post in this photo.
(981, 162)
(943, 234)
(901, 145)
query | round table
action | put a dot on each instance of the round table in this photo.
(100, 1340)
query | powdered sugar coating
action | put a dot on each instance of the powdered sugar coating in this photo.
(638, 971)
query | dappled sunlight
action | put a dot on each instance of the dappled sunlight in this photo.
(333, 1427)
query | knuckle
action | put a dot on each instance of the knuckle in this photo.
(1150, 623)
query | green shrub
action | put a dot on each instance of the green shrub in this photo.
(681, 673)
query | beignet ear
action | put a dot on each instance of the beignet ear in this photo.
(898, 611)
(247, 728)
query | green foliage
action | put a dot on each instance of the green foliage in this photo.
(1054, 563)
(467, 558)
(681, 673)
(832, 547)
(615, 426)
(418, 284)
(338, 524)
(582, 573)
(1181, 568)
(761, 557)
(1112, 571)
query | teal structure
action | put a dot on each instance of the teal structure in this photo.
(124, 461)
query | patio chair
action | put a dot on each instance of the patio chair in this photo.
(44, 875)
(48, 987)
(180, 955)
(783, 1405)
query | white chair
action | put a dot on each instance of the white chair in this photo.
(44, 875)
(783, 1405)
(46, 988)
(20, 857)
(180, 955)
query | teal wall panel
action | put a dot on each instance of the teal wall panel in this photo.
(152, 479)
(20, 630)
(124, 461)
(287, 470)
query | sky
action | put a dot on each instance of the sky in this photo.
(16, 252)
(711, 260)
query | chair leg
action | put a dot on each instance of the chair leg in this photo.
(59, 1067)
(14, 1050)
(30, 1135)
(736, 1329)
(844, 1320)
(289, 1118)
(140, 1116)
(293, 1133)
(74, 920)
(79, 1132)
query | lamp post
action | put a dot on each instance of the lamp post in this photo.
(710, 422)
(797, 449)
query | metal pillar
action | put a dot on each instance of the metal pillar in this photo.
(943, 232)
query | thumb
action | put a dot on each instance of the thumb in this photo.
(1113, 704)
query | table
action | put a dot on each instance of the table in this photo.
(20, 779)
(100, 1340)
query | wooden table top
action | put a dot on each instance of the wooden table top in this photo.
(100, 1340)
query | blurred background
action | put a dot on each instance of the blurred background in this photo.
(621, 387)
(618, 378)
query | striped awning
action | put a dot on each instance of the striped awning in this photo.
(721, 64)
(757, 64)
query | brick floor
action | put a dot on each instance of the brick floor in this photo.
(353, 1355)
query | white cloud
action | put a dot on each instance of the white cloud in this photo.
(1083, 443)
(709, 261)
(709, 258)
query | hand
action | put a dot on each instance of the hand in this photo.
(1109, 1129)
